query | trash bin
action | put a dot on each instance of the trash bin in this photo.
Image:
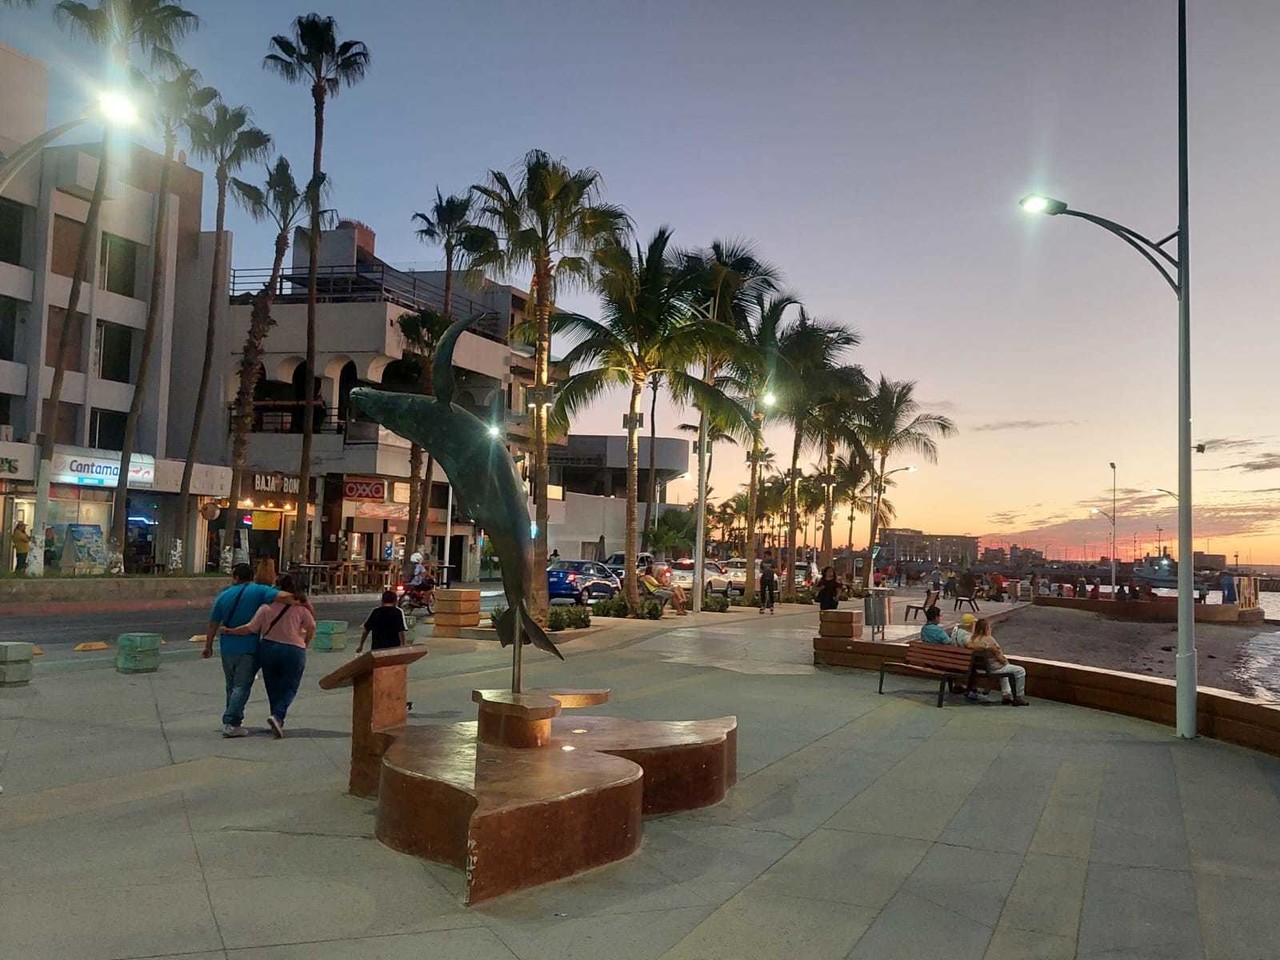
(878, 610)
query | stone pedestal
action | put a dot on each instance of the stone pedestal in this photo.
(330, 635)
(15, 663)
(456, 610)
(138, 652)
(838, 630)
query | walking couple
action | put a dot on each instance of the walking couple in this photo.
(263, 628)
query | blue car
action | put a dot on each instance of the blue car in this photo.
(580, 581)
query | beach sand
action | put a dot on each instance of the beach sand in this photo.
(1076, 636)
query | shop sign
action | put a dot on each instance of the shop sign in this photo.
(265, 520)
(100, 468)
(364, 488)
(279, 483)
(17, 461)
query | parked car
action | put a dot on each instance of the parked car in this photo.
(736, 571)
(617, 563)
(580, 581)
(806, 574)
(715, 579)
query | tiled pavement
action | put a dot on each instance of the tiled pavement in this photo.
(864, 826)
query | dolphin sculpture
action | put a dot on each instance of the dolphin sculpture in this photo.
(482, 472)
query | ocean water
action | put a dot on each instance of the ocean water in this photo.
(1259, 667)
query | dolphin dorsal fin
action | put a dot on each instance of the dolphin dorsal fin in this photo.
(442, 365)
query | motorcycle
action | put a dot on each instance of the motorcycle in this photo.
(411, 598)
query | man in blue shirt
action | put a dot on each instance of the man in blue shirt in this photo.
(932, 631)
(234, 607)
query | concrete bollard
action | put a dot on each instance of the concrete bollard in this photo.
(138, 652)
(330, 635)
(15, 663)
(456, 610)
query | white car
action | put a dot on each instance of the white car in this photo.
(714, 577)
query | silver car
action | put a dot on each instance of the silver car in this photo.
(715, 579)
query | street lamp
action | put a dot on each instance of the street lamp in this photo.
(762, 402)
(877, 496)
(1168, 493)
(1176, 271)
(1112, 518)
(112, 107)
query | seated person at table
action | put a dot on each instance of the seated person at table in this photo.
(932, 631)
(998, 665)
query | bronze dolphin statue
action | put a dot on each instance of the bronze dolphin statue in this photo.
(481, 470)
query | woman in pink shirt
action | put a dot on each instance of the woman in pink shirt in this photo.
(285, 632)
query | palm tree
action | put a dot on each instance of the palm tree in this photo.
(551, 221)
(313, 55)
(716, 433)
(890, 422)
(448, 224)
(283, 203)
(833, 425)
(229, 142)
(117, 27)
(645, 330)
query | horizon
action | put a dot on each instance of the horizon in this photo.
(876, 155)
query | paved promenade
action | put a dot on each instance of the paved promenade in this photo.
(862, 827)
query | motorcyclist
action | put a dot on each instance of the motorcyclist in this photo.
(422, 583)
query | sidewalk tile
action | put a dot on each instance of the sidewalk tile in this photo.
(1139, 913)
(472, 944)
(910, 927)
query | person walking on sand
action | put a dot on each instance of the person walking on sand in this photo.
(998, 665)
(285, 631)
(21, 546)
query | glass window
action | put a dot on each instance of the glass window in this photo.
(75, 340)
(8, 328)
(66, 245)
(106, 429)
(12, 215)
(118, 271)
(115, 352)
(6, 408)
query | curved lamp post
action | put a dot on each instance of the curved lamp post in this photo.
(112, 108)
(876, 498)
(1176, 270)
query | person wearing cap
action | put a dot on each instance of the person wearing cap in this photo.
(963, 630)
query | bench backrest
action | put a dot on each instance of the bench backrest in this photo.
(938, 656)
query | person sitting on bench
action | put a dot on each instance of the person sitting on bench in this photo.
(963, 630)
(654, 589)
(998, 665)
(932, 631)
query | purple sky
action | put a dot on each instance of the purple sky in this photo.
(875, 151)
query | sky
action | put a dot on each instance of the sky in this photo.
(874, 150)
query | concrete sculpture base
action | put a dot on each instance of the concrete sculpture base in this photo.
(523, 796)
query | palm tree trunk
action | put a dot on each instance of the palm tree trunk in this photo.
(415, 499)
(418, 526)
(260, 324)
(632, 582)
(793, 519)
(653, 474)
(219, 255)
(828, 506)
(875, 518)
(753, 506)
(537, 580)
(49, 431)
(300, 537)
(119, 507)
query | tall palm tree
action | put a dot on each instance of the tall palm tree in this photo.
(228, 140)
(117, 27)
(645, 330)
(890, 423)
(551, 221)
(812, 350)
(834, 427)
(282, 203)
(313, 55)
(448, 224)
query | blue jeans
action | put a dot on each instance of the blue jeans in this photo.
(239, 670)
(282, 666)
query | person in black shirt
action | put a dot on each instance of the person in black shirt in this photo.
(387, 625)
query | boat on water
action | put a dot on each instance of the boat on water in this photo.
(1161, 573)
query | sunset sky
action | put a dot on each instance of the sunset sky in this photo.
(875, 151)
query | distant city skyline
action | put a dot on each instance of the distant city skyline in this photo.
(875, 152)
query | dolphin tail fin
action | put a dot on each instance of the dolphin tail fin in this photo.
(533, 633)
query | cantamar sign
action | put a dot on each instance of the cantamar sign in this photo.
(100, 468)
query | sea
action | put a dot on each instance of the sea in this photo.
(1259, 667)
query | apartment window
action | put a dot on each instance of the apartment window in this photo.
(118, 271)
(106, 429)
(66, 245)
(75, 340)
(115, 352)
(66, 428)
(8, 328)
(11, 220)
(6, 409)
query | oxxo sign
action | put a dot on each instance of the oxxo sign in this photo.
(364, 488)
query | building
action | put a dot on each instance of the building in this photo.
(915, 546)
(42, 216)
(994, 556)
(1025, 556)
(1208, 561)
(358, 503)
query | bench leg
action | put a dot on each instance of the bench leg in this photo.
(881, 688)
(942, 691)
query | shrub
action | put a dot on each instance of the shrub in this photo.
(738, 600)
(804, 596)
(652, 610)
(613, 607)
(568, 618)
(715, 603)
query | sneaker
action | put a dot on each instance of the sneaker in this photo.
(277, 728)
(1021, 702)
(973, 697)
(1007, 701)
(231, 732)
(762, 610)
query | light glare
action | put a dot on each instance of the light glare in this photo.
(1035, 203)
(117, 108)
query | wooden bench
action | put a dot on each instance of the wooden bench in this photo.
(649, 593)
(930, 600)
(937, 660)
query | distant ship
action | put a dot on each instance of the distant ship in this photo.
(1158, 572)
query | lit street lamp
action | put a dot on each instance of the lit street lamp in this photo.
(1176, 271)
(112, 107)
